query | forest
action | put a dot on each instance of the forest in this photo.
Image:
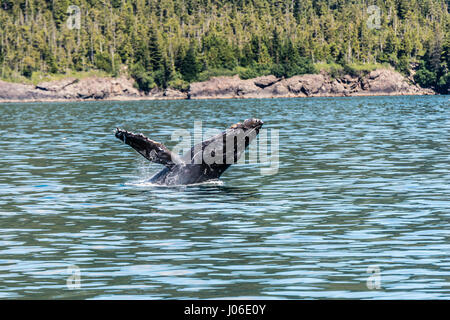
(171, 43)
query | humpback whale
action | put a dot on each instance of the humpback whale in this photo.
(205, 161)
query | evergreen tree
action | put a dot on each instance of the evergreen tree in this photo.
(155, 38)
(154, 51)
(189, 66)
(59, 10)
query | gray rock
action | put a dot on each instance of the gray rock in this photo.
(378, 82)
(175, 94)
(265, 81)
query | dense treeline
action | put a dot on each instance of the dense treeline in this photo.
(174, 42)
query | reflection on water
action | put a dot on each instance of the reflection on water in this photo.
(362, 183)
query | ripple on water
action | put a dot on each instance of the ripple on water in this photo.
(362, 183)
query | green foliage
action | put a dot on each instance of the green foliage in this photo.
(103, 62)
(255, 70)
(154, 51)
(189, 65)
(443, 84)
(434, 67)
(59, 10)
(219, 53)
(334, 69)
(178, 83)
(172, 43)
(359, 70)
(209, 73)
(403, 65)
(143, 78)
(425, 77)
(292, 63)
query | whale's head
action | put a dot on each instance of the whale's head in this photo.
(249, 128)
(248, 124)
(238, 137)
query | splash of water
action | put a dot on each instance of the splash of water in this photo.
(144, 183)
(146, 172)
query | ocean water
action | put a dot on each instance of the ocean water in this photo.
(357, 208)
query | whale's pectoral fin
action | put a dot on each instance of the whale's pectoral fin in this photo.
(151, 150)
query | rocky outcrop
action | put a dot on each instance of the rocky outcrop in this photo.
(388, 82)
(223, 88)
(265, 81)
(16, 91)
(70, 89)
(167, 94)
(378, 82)
(91, 88)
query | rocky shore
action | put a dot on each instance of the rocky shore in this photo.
(376, 83)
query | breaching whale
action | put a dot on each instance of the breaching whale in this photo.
(205, 161)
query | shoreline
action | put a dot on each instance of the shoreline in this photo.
(210, 98)
(380, 82)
